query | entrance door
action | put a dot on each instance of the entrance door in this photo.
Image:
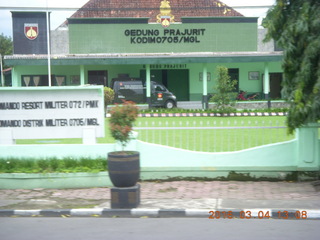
(234, 75)
(178, 83)
(98, 78)
(275, 85)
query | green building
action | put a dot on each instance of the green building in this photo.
(177, 43)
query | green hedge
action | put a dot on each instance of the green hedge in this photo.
(52, 165)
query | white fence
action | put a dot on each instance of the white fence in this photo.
(212, 135)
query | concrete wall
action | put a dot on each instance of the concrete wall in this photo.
(160, 162)
(170, 162)
(54, 180)
(264, 46)
(59, 40)
(281, 161)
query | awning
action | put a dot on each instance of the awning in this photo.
(144, 58)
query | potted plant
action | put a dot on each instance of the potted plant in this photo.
(123, 166)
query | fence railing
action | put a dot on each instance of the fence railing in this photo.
(212, 135)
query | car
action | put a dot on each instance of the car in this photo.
(134, 89)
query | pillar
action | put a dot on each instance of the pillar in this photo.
(148, 84)
(205, 87)
(82, 75)
(308, 148)
(1, 69)
(125, 197)
(15, 79)
(266, 83)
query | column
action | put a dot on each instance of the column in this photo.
(308, 150)
(1, 69)
(82, 76)
(266, 83)
(205, 87)
(16, 82)
(308, 145)
(148, 84)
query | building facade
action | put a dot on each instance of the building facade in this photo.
(177, 43)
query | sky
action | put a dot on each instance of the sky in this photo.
(58, 17)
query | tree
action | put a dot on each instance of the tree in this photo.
(295, 25)
(108, 96)
(6, 46)
(225, 95)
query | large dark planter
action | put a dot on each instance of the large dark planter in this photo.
(124, 168)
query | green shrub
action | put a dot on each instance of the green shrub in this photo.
(108, 96)
(14, 165)
(225, 94)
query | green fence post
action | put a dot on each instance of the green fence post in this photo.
(308, 148)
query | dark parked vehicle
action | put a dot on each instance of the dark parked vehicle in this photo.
(134, 89)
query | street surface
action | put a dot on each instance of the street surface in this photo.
(160, 228)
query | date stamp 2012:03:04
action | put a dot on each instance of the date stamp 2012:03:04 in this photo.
(247, 214)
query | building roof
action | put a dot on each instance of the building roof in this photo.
(151, 8)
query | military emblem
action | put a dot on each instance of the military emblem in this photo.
(165, 17)
(226, 9)
(31, 30)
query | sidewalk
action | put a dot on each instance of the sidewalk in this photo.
(172, 196)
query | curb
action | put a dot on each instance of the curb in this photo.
(242, 114)
(169, 213)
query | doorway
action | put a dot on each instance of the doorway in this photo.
(275, 85)
(98, 78)
(234, 75)
(177, 81)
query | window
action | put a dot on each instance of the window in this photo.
(34, 80)
(159, 88)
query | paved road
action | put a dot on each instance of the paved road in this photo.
(169, 228)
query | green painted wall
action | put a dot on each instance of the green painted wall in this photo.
(54, 180)
(245, 84)
(127, 38)
(161, 162)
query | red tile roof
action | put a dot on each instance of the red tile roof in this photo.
(151, 8)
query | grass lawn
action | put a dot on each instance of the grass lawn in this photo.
(197, 139)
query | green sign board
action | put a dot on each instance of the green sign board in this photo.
(198, 35)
